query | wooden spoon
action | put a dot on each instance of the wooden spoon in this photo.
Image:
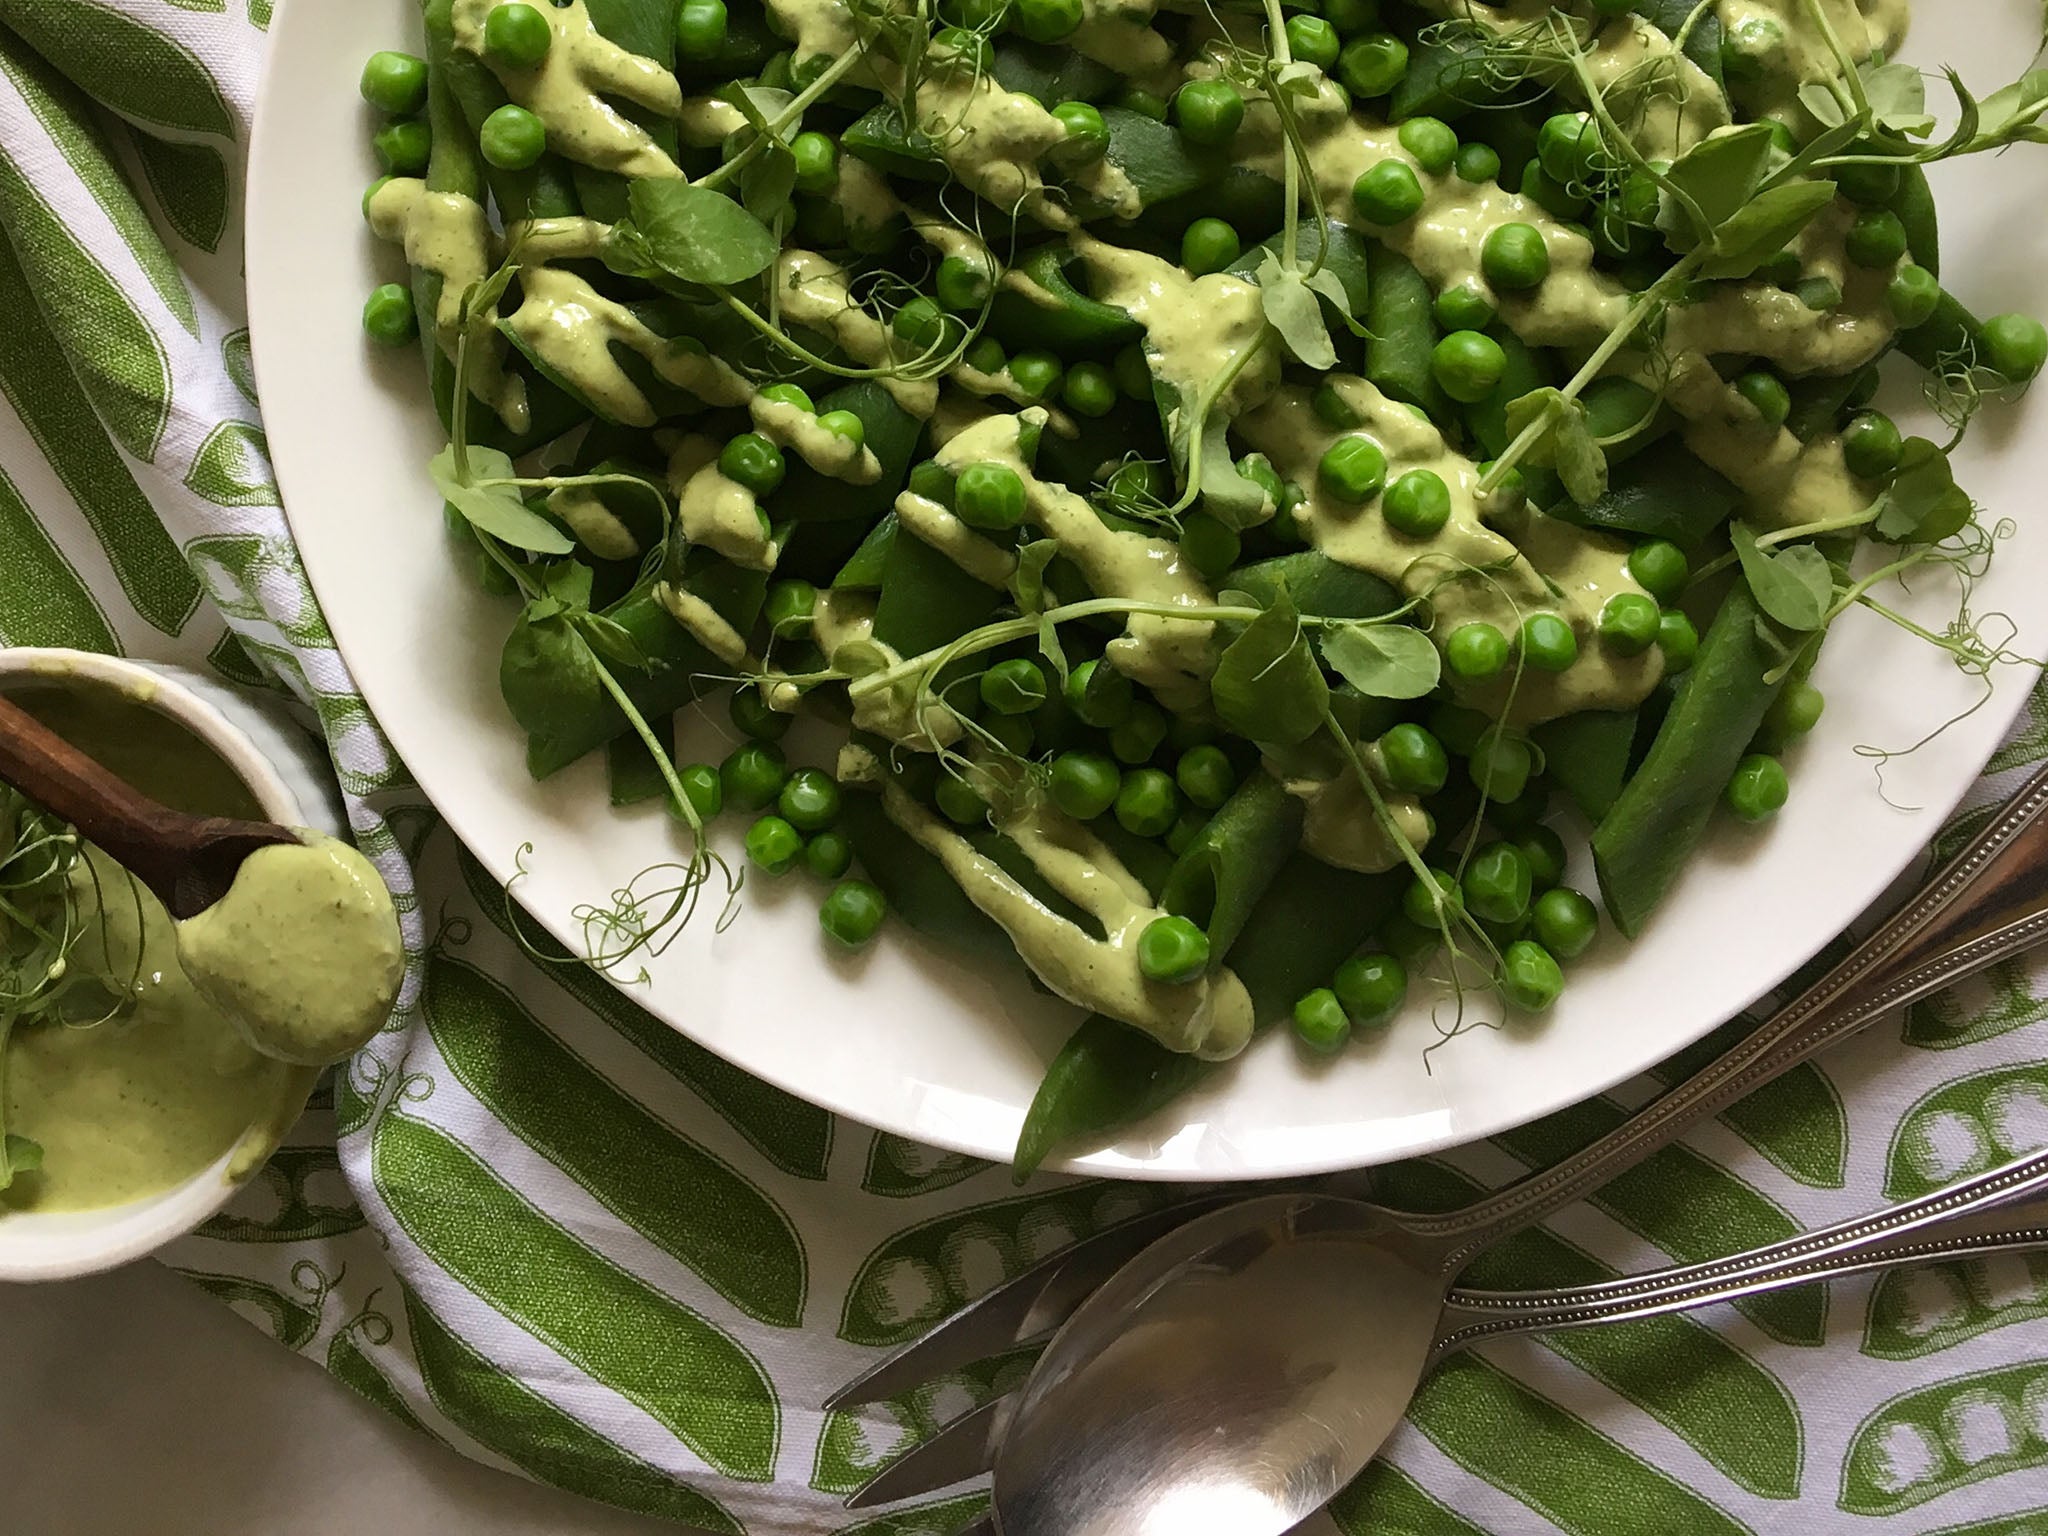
(188, 861)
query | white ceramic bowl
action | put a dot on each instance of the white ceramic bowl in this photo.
(284, 772)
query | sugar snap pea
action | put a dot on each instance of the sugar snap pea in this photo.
(1650, 831)
(1587, 756)
(863, 569)
(648, 28)
(890, 432)
(1403, 333)
(1914, 204)
(1317, 585)
(1668, 494)
(1221, 876)
(1065, 319)
(926, 599)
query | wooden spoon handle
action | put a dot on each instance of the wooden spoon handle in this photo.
(147, 838)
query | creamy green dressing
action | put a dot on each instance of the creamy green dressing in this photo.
(983, 559)
(305, 948)
(1339, 825)
(1210, 1017)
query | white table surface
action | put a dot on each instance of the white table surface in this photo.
(131, 1402)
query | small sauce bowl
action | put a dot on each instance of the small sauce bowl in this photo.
(287, 776)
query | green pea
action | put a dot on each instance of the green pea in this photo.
(512, 138)
(1867, 186)
(1562, 200)
(403, 148)
(388, 315)
(1465, 307)
(1432, 141)
(1133, 373)
(1312, 40)
(1476, 651)
(1500, 765)
(933, 481)
(1565, 922)
(1208, 245)
(1421, 901)
(1418, 504)
(1089, 390)
(1013, 687)
(2015, 346)
(703, 788)
(1388, 194)
(1087, 139)
(1549, 644)
(1872, 445)
(753, 775)
(986, 354)
(817, 165)
(1660, 568)
(700, 29)
(1759, 788)
(1210, 546)
(1099, 695)
(1477, 163)
(1084, 784)
(846, 426)
(989, 496)
(1146, 803)
(1409, 942)
(1766, 394)
(1628, 623)
(1677, 639)
(1372, 65)
(1876, 239)
(810, 800)
(828, 855)
(852, 913)
(753, 461)
(1913, 294)
(1498, 883)
(1353, 469)
(1320, 1022)
(1205, 776)
(1616, 236)
(1333, 410)
(787, 394)
(1351, 17)
(959, 801)
(1415, 760)
(1036, 374)
(518, 35)
(1208, 112)
(1136, 98)
(394, 83)
(1529, 978)
(751, 715)
(1794, 712)
(1371, 988)
(1544, 850)
(1172, 949)
(1519, 813)
(924, 326)
(773, 845)
(963, 283)
(1046, 21)
(1469, 365)
(1568, 147)
(1515, 258)
(1137, 736)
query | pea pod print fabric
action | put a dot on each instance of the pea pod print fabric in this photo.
(533, 1223)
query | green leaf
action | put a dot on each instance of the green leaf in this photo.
(18, 1155)
(1580, 463)
(1027, 582)
(568, 582)
(1792, 585)
(1293, 310)
(1898, 98)
(1923, 504)
(548, 675)
(1050, 648)
(1267, 685)
(1764, 226)
(1383, 661)
(1327, 283)
(699, 235)
(1821, 101)
(613, 641)
(1227, 495)
(495, 509)
(766, 185)
(1719, 175)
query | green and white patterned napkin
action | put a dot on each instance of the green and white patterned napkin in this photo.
(541, 1227)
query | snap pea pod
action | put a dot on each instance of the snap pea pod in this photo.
(1109, 1075)
(681, 668)
(927, 600)
(1914, 204)
(544, 190)
(1221, 876)
(1243, 196)
(1065, 319)
(1318, 586)
(1525, 369)
(1587, 756)
(648, 28)
(454, 166)
(1050, 74)
(864, 567)
(1651, 830)
(1699, 25)
(891, 433)
(1399, 315)
(1951, 333)
(1668, 494)
(1447, 77)
(917, 885)
(1819, 399)
(667, 318)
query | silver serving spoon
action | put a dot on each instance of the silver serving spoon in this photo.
(1239, 1373)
